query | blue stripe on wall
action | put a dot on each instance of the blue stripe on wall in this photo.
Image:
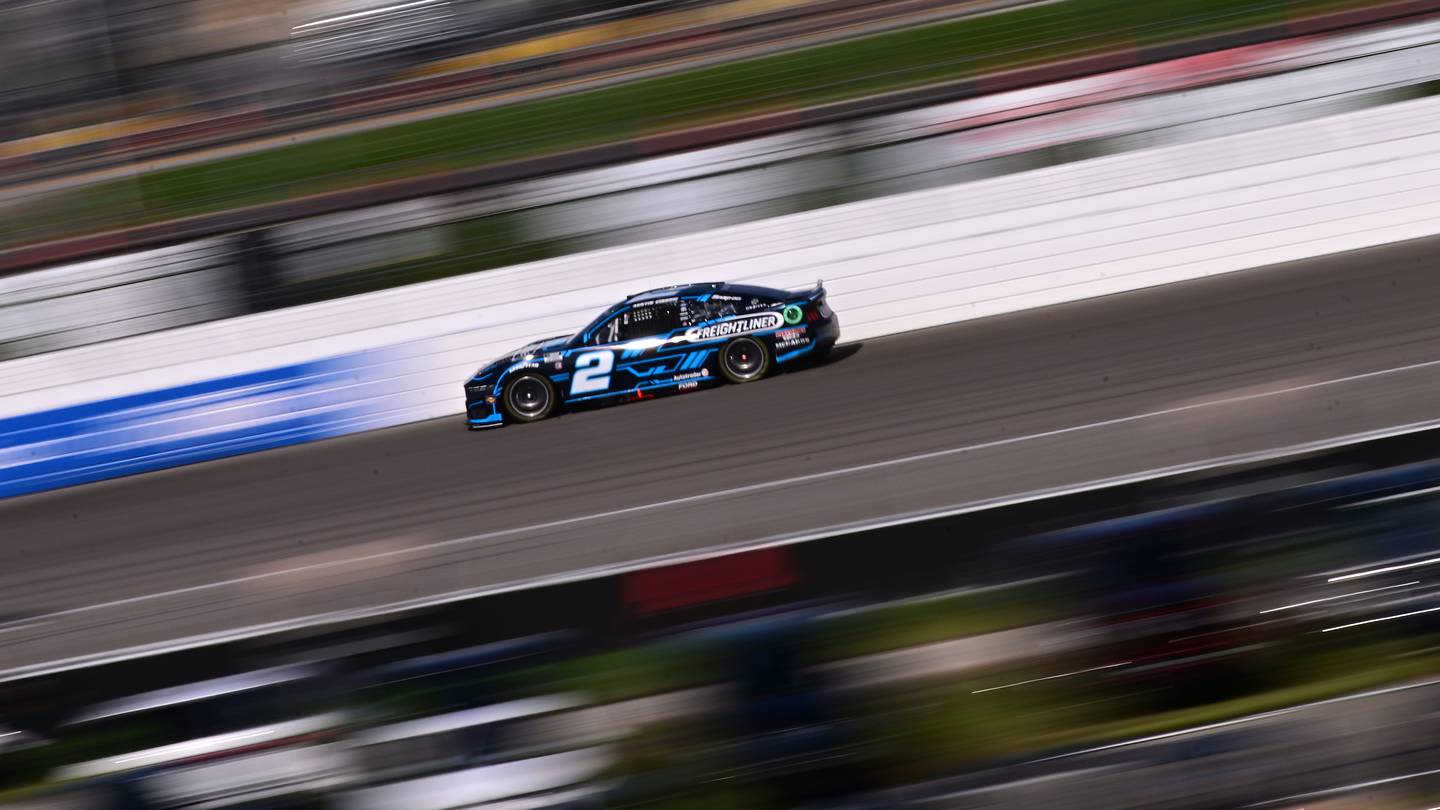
(184, 424)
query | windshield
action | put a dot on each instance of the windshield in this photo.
(528, 348)
(578, 337)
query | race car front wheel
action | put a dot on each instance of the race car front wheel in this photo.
(529, 398)
(744, 359)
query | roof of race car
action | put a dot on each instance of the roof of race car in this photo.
(670, 292)
(675, 290)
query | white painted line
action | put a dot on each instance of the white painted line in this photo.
(1403, 558)
(1341, 596)
(1386, 570)
(1381, 619)
(1386, 690)
(756, 487)
(950, 593)
(1032, 780)
(14, 628)
(1051, 677)
(1347, 788)
(578, 575)
(1398, 497)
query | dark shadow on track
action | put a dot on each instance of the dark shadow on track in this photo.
(836, 355)
(842, 352)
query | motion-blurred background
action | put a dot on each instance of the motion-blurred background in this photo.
(1120, 490)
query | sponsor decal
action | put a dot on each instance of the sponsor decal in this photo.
(793, 314)
(790, 338)
(686, 386)
(692, 375)
(554, 357)
(743, 325)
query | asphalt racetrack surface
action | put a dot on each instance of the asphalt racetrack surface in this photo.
(1011, 406)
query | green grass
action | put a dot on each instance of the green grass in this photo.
(667, 666)
(888, 61)
(918, 623)
(929, 730)
(956, 728)
(16, 794)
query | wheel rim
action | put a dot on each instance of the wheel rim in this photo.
(744, 358)
(529, 397)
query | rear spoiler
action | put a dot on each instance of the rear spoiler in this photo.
(814, 293)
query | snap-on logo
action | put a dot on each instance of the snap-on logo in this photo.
(744, 324)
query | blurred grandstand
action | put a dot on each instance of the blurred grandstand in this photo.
(74, 63)
(379, 246)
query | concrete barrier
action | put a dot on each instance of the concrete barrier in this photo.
(893, 264)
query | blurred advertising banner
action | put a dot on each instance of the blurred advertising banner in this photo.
(195, 421)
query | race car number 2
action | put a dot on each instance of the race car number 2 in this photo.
(592, 372)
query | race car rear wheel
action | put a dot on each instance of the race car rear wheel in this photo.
(529, 398)
(744, 359)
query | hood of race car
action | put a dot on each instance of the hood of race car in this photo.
(529, 349)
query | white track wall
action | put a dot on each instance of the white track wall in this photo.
(894, 264)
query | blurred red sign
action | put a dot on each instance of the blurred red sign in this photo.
(655, 590)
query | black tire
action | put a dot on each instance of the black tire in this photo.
(529, 397)
(744, 359)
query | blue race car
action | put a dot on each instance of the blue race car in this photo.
(670, 339)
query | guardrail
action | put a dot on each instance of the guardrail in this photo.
(892, 265)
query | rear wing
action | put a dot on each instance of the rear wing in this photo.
(812, 294)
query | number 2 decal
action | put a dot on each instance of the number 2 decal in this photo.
(592, 372)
